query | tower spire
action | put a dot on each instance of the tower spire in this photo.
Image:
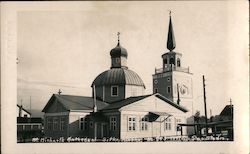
(171, 40)
(118, 35)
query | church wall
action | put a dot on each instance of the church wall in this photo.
(55, 133)
(185, 82)
(74, 124)
(161, 82)
(109, 98)
(105, 92)
(113, 133)
(155, 129)
(71, 125)
(132, 90)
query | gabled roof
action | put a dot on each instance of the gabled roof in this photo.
(130, 100)
(171, 103)
(23, 109)
(227, 111)
(71, 102)
(120, 104)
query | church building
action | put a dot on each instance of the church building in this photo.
(118, 106)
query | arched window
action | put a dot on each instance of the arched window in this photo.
(178, 62)
(172, 61)
(165, 61)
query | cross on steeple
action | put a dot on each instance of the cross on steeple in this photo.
(118, 35)
(59, 92)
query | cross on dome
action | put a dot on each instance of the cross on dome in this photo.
(59, 91)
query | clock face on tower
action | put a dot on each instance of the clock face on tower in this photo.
(183, 89)
(185, 86)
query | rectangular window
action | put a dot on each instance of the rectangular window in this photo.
(113, 123)
(62, 123)
(114, 90)
(49, 123)
(177, 121)
(131, 123)
(85, 125)
(168, 89)
(55, 123)
(168, 124)
(144, 123)
(81, 123)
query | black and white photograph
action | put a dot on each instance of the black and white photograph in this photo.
(125, 77)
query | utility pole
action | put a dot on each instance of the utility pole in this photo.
(178, 95)
(205, 104)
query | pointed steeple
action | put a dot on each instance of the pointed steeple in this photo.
(171, 40)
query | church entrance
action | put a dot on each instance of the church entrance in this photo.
(104, 130)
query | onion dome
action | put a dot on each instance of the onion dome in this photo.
(118, 76)
(119, 51)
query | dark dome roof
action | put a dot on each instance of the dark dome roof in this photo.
(118, 76)
(118, 51)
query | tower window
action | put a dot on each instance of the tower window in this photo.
(172, 61)
(156, 90)
(114, 90)
(168, 79)
(168, 89)
(178, 62)
(165, 61)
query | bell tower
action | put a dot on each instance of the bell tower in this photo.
(172, 80)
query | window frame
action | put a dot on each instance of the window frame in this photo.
(50, 123)
(82, 123)
(178, 62)
(55, 123)
(169, 89)
(168, 124)
(177, 121)
(116, 92)
(113, 123)
(132, 124)
(62, 123)
(144, 123)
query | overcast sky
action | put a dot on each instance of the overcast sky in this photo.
(66, 48)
